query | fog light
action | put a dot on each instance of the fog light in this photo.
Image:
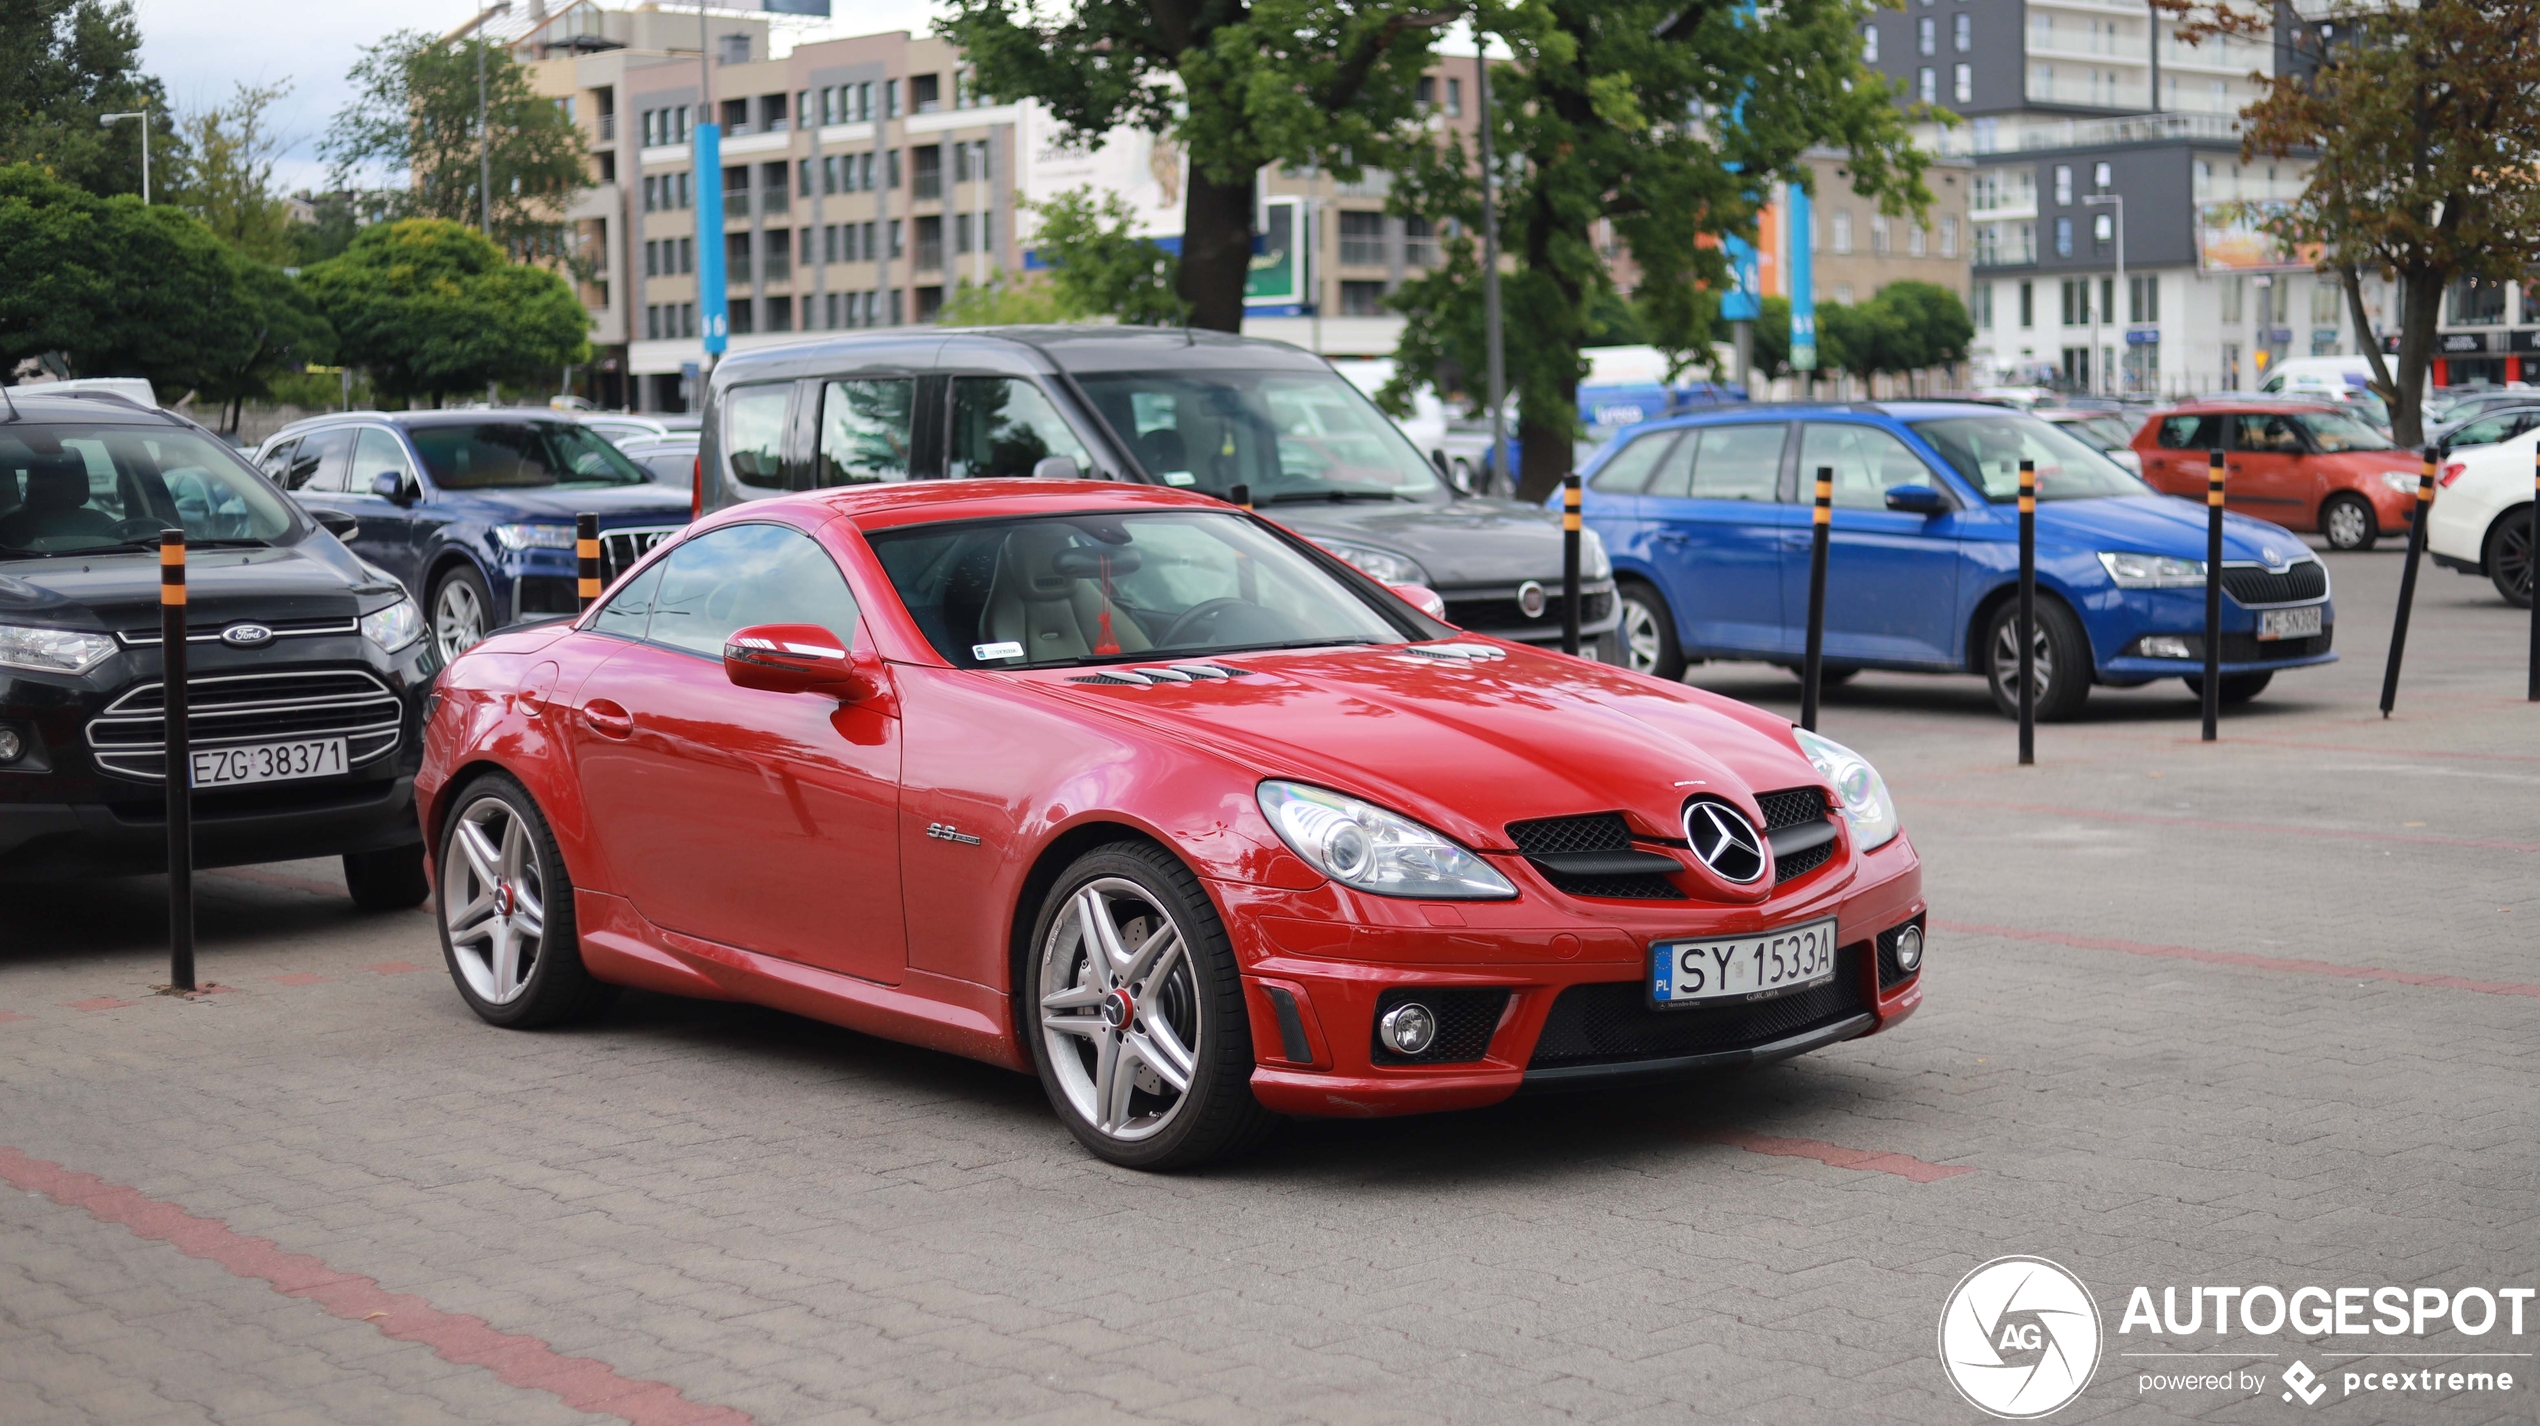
(12, 745)
(2162, 646)
(1408, 1029)
(1909, 949)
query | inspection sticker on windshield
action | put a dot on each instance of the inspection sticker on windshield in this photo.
(1742, 967)
(2289, 623)
(984, 652)
(268, 762)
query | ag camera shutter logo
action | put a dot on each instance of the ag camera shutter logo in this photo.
(2019, 1338)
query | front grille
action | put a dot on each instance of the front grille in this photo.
(620, 549)
(2247, 648)
(1592, 832)
(2249, 584)
(1466, 1021)
(1485, 614)
(549, 594)
(1791, 808)
(1890, 974)
(210, 633)
(233, 709)
(1613, 1023)
(1800, 863)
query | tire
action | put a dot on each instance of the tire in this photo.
(2349, 522)
(461, 609)
(1168, 980)
(1645, 637)
(2063, 668)
(2236, 687)
(392, 880)
(529, 903)
(2507, 557)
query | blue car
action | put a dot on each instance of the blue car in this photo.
(473, 510)
(1706, 519)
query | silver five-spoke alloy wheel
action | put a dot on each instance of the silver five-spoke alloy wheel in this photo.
(1120, 1009)
(1639, 633)
(496, 901)
(458, 618)
(2006, 660)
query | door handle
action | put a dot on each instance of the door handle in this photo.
(1672, 537)
(608, 719)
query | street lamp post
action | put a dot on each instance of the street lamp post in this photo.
(110, 120)
(484, 133)
(1494, 361)
(2118, 292)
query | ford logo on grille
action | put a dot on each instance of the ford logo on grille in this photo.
(1725, 841)
(246, 636)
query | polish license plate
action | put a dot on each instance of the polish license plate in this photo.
(2301, 623)
(1742, 967)
(268, 762)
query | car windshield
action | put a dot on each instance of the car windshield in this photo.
(1987, 450)
(2108, 433)
(512, 455)
(67, 488)
(1095, 588)
(2338, 433)
(1290, 436)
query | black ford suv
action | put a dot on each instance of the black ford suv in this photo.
(306, 667)
(1197, 410)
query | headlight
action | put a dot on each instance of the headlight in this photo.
(1593, 563)
(2133, 571)
(394, 627)
(1862, 791)
(53, 650)
(534, 537)
(1378, 564)
(1367, 847)
(2403, 481)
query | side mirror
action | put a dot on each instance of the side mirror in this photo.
(798, 658)
(1423, 598)
(390, 486)
(341, 525)
(1056, 468)
(1917, 500)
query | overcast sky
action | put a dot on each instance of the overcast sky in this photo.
(202, 49)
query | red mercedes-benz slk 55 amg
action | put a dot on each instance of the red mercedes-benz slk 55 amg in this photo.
(1139, 792)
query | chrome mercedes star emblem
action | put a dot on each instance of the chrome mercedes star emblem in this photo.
(1725, 841)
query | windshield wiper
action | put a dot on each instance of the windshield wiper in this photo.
(1324, 497)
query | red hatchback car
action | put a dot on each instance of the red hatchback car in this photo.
(1142, 793)
(2302, 466)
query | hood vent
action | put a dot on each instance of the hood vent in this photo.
(1457, 653)
(1171, 673)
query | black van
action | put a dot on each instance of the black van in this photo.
(306, 668)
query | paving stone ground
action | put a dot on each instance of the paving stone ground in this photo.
(798, 1224)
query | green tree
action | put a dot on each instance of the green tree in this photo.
(231, 188)
(339, 216)
(63, 65)
(1772, 339)
(1933, 326)
(2422, 123)
(1590, 122)
(430, 306)
(1238, 83)
(280, 331)
(413, 124)
(1099, 268)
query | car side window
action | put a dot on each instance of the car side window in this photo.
(1629, 471)
(865, 431)
(321, 461)
(630, 607)
(1002, 427)
(1739, 463)
(754, 436)
(739, 575)
(2190, 433)
(377, 453)
(277, 464)
(1867, 462)
(2262, 433)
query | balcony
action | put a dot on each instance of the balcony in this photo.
(2140, 128)
(775, 200)
(925, 185)
(930, 254)
(608, 128)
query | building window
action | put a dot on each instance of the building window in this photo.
(1843, 293)
(1988, 135)
(1988, 244)
(2063, 237)
(1949, 237)
(1362, 299)
(1419, 243)
(2063, 185)
(1963, 32)
(1869, 44)
(2101, 175)
(780, 314)
(1878, 234)
(1963, 83)
(1843, 230)
(1424, 91)
(2477, 303)
(2028, 304)
(1927, 36)
(2075, 302)
(2103, 229)
(961, 234)
(2041, 80)
(1927, 85)
(2143, 298)
(1362, 237)
(925, 93)
(1980, 299)
(742, 318)
(1917, 241)
(1455, 97)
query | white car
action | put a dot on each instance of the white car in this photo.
(2481, 521)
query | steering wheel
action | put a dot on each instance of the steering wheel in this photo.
(1191, 617)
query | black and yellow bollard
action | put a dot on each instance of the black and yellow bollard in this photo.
(1570, 563)
(586, 547)
(1812, 668)
(2028, 612)
(177, 741)
(2408, 583)
(1239, 495)
(2212, 690)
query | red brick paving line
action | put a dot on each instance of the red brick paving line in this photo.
(579, 1382)
(1904, 1166)
(2241, 958)
(2276, 828)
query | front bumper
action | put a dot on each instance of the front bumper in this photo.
(1320, 967)
(2118, 619)
(1499, 611)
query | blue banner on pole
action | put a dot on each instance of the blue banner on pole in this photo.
(1744, 301)
(714, 322)
(1802, 275)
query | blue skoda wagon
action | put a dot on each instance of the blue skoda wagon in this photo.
(1706, 518)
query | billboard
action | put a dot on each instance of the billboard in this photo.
(2229, 238)
(1277, 277)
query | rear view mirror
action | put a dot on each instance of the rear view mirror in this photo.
(389, 485)
(1421, 597)
(790, 658)
(1917, 500)
(336, 522)
(1056, 468)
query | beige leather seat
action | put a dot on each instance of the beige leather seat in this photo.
(1048, 598)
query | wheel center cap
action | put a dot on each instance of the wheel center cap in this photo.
(504, 901)
(1118, 1009)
